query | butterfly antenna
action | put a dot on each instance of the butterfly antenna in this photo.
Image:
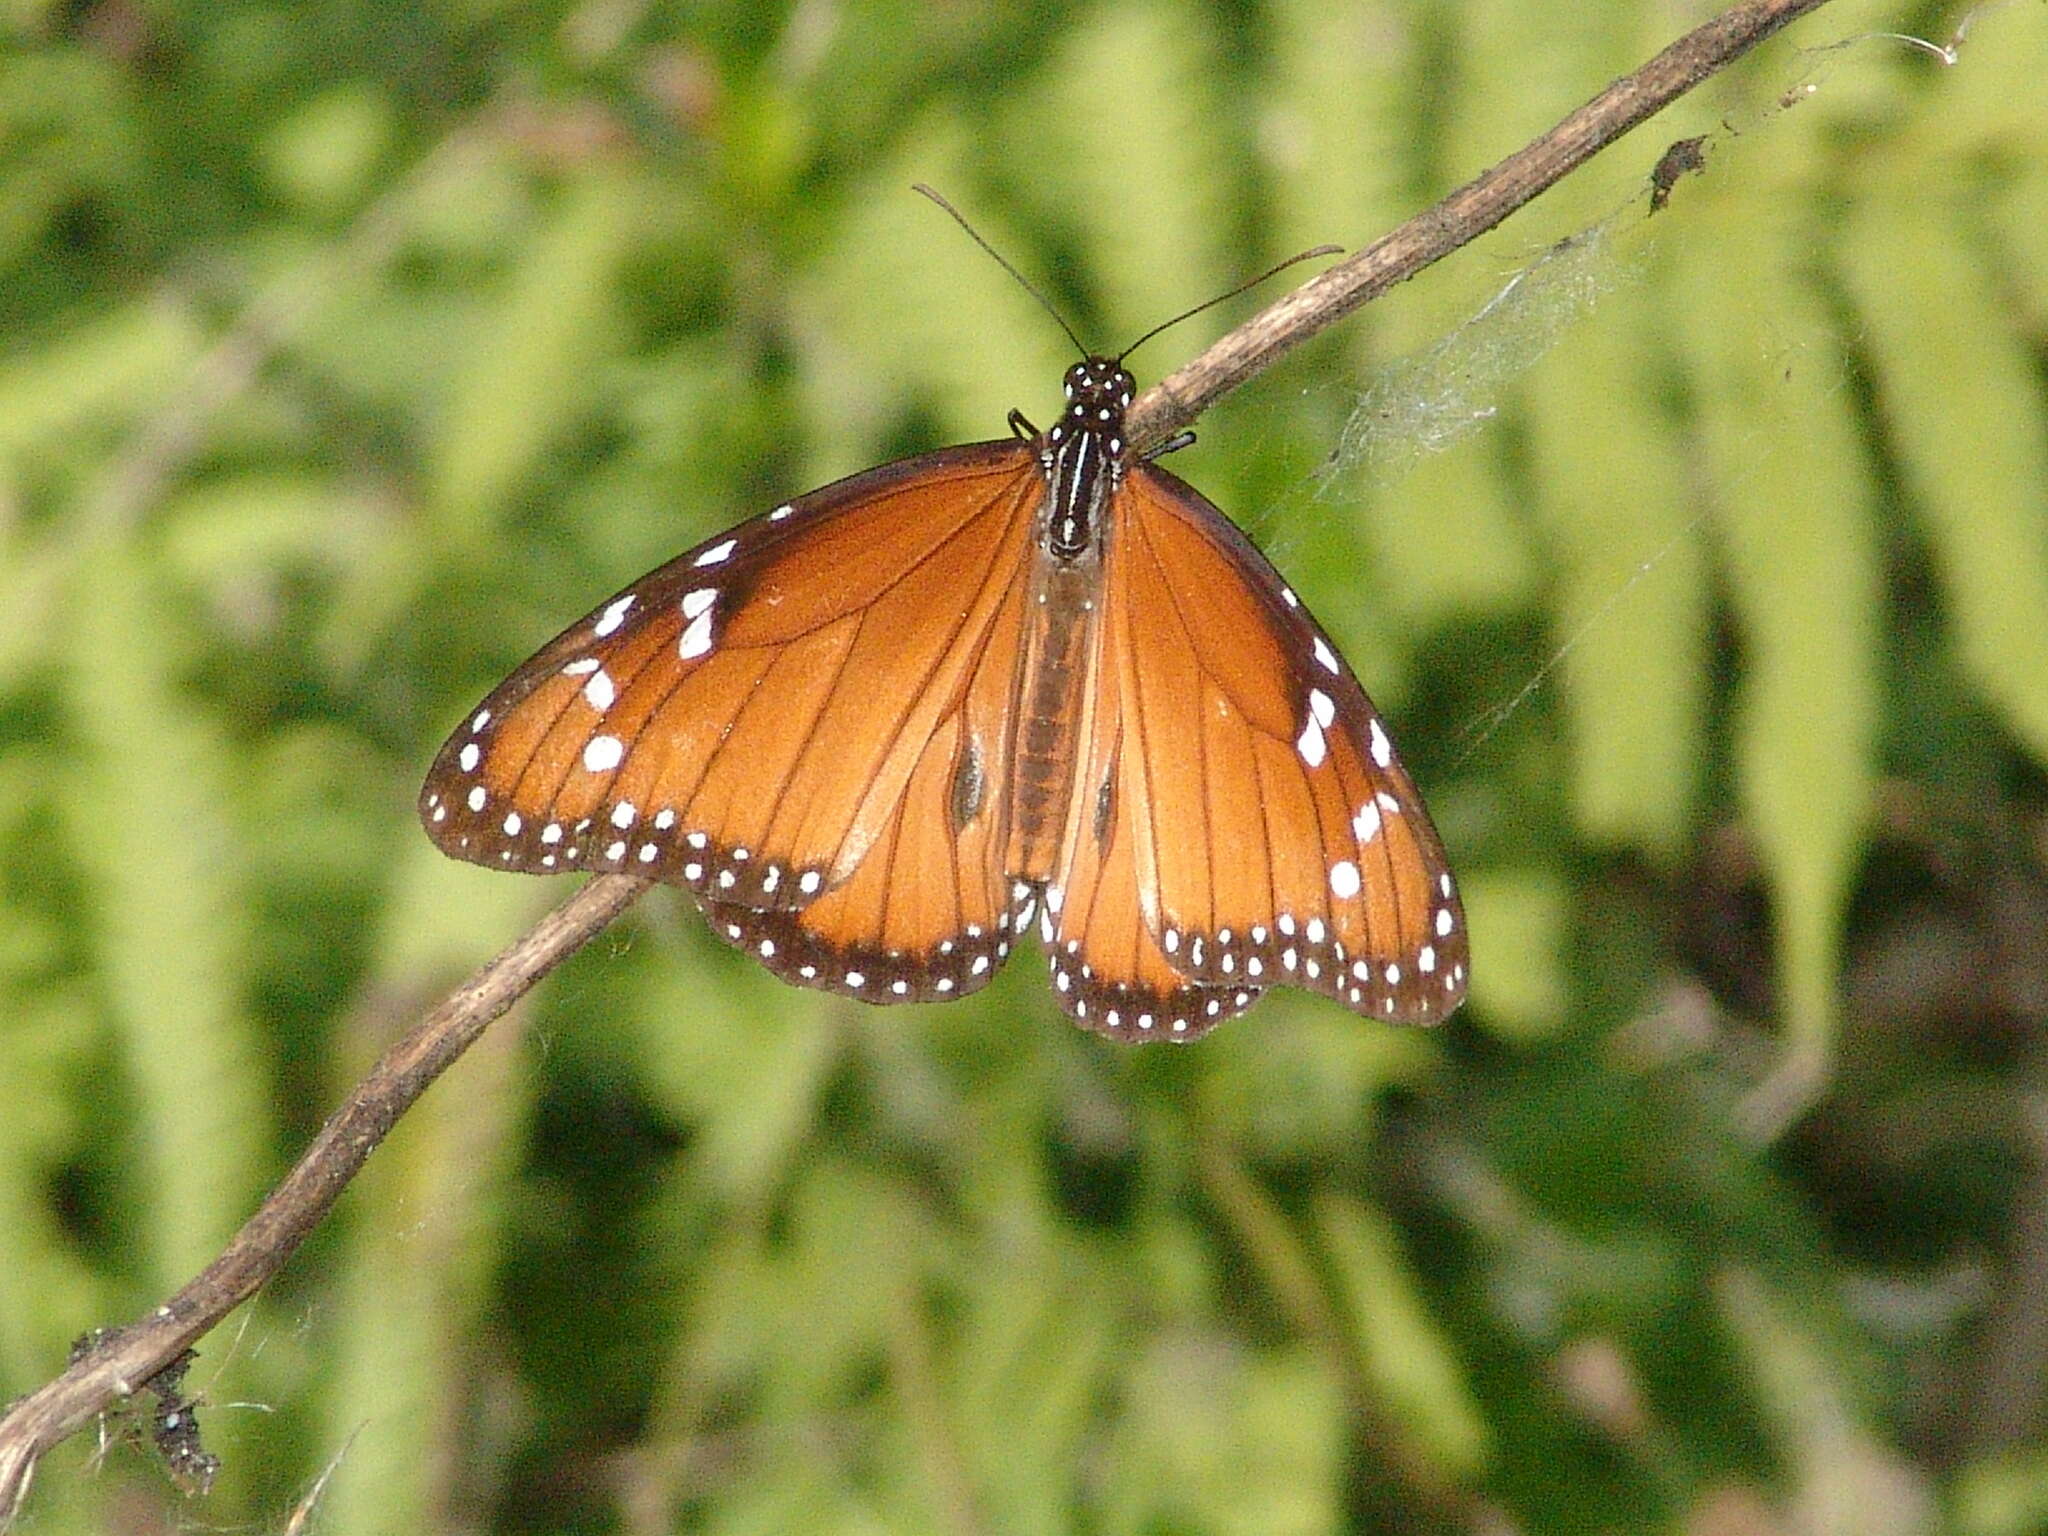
(1321, 250)
(1026, 283)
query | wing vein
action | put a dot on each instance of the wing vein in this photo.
(894, 735)
(1205, 821)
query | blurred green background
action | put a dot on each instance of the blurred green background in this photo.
(348, 350)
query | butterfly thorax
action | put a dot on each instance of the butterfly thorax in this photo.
(1083, 454)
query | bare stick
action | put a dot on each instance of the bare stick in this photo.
(1459, 219)
(124, 1359)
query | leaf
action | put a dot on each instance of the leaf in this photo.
(1793, 507)
(1215, 1439)
(1335, 125)
(146, 816)
(1123, 117)
(531, 376)
(1519, 923)
(1629, 616)
(1404, 1353)
(47, 1289)
(99, 370)
(903, 310)
(1040, 1340)
(1844, 1478)
(1961, 397)
(745, 1064)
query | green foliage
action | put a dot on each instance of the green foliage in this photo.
(1701, 560)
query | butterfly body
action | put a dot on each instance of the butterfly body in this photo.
(881, 730)
(1082, 459)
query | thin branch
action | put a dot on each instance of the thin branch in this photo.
(117, 1363)
(1462, 217)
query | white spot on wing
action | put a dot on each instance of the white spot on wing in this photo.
(1366, 824)
(696, 639)
(613, 616)
(1310, 743)
(1344, 881)
(1325, 655)
(472, 754)
(1321, 708)
(603, 753)
(1382, 749)
(599, 690)
(694, 603)
(718, 553)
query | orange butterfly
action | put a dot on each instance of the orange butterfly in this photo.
(878, 731)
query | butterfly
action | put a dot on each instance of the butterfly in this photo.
(881, 731)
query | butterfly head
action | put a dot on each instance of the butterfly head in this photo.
(1099, 390)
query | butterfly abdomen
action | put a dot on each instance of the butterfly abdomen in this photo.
(1050, 713)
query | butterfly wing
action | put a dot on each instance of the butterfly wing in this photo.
(1246, 821)
(799, 721)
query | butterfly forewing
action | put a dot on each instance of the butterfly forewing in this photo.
(780, 720)
(1266, 827)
